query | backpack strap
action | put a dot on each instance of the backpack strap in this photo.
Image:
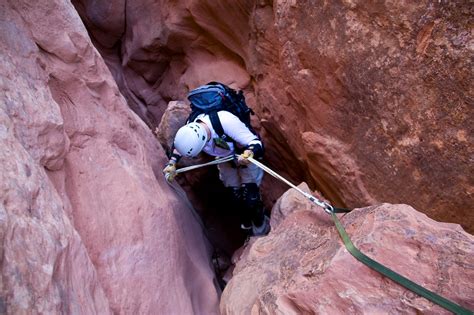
(192, 116)
(216, 124)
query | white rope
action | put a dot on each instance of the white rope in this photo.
(192, 167)
(327, 207)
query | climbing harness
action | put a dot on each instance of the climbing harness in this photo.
(410, 285)
(396, 277)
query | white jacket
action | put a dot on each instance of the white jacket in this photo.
(234, 128)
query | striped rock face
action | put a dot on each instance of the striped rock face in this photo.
(88, 224)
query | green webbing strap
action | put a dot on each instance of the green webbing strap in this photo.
(369, 262)
(410, 285)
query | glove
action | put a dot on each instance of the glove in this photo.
(243, 158)
(170, 171)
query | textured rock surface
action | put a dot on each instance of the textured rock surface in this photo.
(380, 98)
(302, 267)
(45, 267)
(87, 223)
(158, 49)
(367, 101)
(173, 118)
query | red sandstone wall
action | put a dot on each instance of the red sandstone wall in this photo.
(367, 102)
(380, 95)
(302, 266)
(87, 223)
(371, 100)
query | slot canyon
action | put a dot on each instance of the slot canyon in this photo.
(364, 104)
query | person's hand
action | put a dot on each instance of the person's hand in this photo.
(170, 171)
(243, 159)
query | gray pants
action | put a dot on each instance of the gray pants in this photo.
(233, 176)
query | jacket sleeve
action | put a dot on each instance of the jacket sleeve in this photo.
(237, 130)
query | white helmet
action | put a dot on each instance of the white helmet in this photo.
(190, 139)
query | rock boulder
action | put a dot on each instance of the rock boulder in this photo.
(302, 266)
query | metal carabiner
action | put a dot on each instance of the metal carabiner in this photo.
(328, 208)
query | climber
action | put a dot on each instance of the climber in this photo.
(240, 177)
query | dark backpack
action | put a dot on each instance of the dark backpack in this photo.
(214, 97)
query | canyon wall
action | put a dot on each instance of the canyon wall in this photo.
(374, 99)
(88, 224)
(302, 266)
(367, 101)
